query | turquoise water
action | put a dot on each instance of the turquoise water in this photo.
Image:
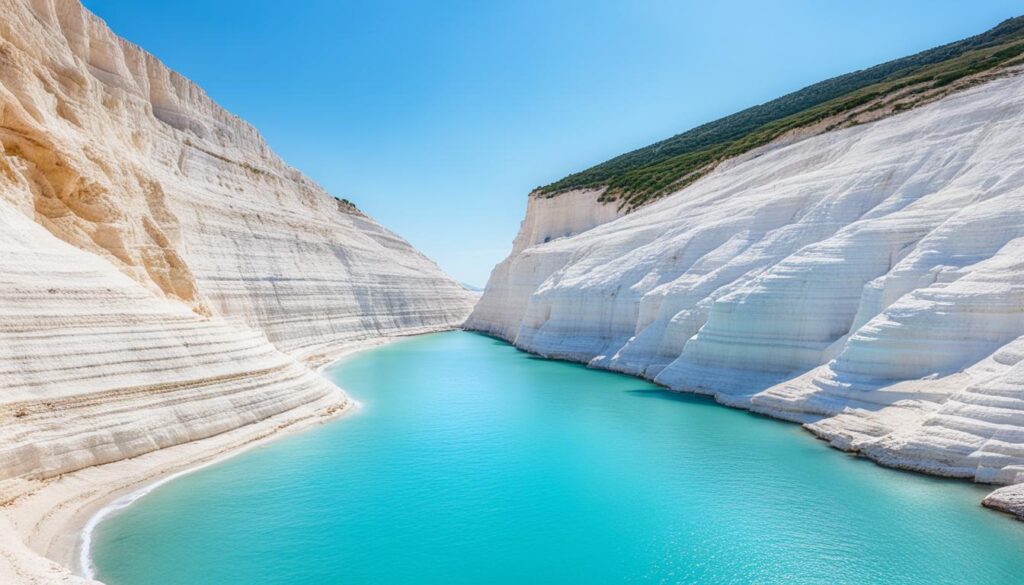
(472, 462)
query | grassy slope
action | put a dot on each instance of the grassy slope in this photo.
(643, 175)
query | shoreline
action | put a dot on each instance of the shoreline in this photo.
(117, 501)
(1007, 499)
(54, 524)
(121, 499)
(46, 533)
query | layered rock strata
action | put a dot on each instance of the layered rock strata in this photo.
(868, 282)
(164, 277)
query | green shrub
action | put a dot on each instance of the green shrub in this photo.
(639, 176)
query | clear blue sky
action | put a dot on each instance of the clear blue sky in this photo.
(437, 117)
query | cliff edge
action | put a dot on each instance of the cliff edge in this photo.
(167, 283)
(866, 281)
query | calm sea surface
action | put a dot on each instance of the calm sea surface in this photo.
(471, 462)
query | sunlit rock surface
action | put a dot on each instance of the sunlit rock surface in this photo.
(868, 282)
(164, 277)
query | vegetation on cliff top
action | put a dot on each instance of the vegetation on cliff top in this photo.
(645, 174)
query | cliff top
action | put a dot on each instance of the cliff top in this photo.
(643, 175)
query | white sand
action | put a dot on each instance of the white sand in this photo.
(56, 520)
(167, 282)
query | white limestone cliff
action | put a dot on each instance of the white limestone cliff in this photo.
(547, 219)
(167, 283)
(868, 282)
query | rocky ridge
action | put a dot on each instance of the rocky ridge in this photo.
(866, 282)
(165, 278)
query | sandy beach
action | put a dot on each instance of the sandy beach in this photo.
(42, 530)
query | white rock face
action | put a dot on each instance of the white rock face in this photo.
(568, 214)
(869, 282)
(164, 277)
(547, 219)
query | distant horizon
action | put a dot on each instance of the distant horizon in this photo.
(437, 120)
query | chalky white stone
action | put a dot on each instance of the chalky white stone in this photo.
(868, 282)
(164, 277)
